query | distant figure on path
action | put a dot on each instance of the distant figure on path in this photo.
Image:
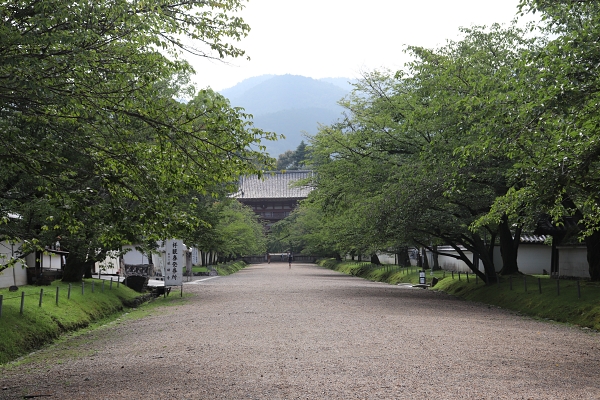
(290, 258)
(268, 258)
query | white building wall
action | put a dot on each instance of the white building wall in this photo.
(111, 264)
(385, 258)
(450, 263)
(16, 275)
(532, 258)
(572, 261)
(50, 261)
(134, 257)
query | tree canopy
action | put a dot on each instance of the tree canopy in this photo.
(97, 147)
(470, 144)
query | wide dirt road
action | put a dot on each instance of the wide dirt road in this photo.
(268, 332)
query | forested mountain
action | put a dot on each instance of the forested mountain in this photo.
(289, 105)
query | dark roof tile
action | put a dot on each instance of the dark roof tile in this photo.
(274, 185)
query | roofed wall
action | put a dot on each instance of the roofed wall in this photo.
(274, 185)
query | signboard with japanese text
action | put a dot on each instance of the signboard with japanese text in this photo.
(195, 260)
(175, 262)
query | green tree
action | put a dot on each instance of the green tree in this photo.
(393, 160)
(239, 232)
(88, 115)
(556, 148)
(293, 160)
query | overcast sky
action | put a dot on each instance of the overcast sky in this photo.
(342, 38)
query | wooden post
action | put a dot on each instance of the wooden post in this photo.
(57, 288)
(1, 297)
(69, 292)
(82, 288)
(540, 284)
(41, 295)
(22, 302)
(110, 286)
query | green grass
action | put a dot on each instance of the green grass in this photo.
(199, 269)
(230, 268)
(39, 325)
(566, 303)
(76, 344)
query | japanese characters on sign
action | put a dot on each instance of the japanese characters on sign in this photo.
(195, 260)
(175, 262)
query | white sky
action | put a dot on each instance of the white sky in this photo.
(342, 38)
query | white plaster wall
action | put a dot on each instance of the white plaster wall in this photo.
(452, 264)
(386, 258)
(16, 275)
(50, 261)
(572, 261)
(134, 257)
(532, 258)
(110, 265)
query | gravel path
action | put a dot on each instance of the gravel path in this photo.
(270, 332)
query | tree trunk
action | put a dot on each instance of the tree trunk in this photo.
(436, 263)
(74, 268)
(403, 258)
(375, 259)
(87, 272)
(592, 243)
(425, 259)
(482, 249)
(509, 247)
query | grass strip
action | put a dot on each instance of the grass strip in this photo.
(565, 300)
(79, 307)
(38, 325)
(230, 268)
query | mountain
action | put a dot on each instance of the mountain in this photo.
(343, 83)
(246, 84)
(290, 105)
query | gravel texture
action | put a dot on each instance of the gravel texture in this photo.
(270, 332)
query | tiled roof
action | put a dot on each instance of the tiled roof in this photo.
(273, 185)
(533, 238)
